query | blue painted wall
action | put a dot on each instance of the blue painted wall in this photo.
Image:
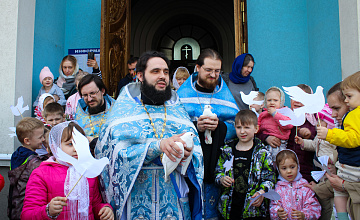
(83, 22)
(294, 42)
(61, 25)
(324, 43)
(49, 39)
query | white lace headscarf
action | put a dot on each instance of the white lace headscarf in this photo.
(174, 80)
(78, 200)
(42, 99)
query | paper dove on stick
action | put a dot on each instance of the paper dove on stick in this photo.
(207, 112)
(19, 109)
(170, 166)
(249, 98)
(86, 164)
(313, 103)
(295, 120)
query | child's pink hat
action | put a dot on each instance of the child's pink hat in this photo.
(45, 72)
(325, 115)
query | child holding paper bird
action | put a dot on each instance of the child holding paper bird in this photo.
(269, 120)
(347, 140)
(322, 148)
(244, 170)
(306, 131)
(297, 201)
(54, 179)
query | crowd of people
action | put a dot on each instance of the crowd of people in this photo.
(239, 152)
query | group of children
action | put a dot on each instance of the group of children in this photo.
(248, 166)
(265, 155)
(50, 92)
(39, 184)
(37, 177)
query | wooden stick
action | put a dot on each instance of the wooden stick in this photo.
(20, 112)
(74, 186)
(318, 118)
(296, 131)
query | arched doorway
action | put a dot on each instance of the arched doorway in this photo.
(159, 25)
(182, 44)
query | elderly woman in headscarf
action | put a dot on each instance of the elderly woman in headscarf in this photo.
(240, 80)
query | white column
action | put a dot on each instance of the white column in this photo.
(16, 42)
(349, 13)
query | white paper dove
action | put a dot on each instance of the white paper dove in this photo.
(170, 166)
(19, 109)
(228, 165)
(207, 112)
(296, 120)
(313, 103)
(86, 164)
(324, 160)
(271, 194)
(13, 130)
(249, 98)
(317, 175)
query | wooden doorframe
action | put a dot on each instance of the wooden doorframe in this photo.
(114, 41)
(240, 25)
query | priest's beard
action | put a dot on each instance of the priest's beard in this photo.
(156, 96)
(207, 83)
(97, 109)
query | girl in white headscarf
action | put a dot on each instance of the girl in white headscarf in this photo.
(46, 190)
(44, 99)
(297, 201)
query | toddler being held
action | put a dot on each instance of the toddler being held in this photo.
(269, 120)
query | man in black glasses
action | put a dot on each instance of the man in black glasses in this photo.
(94, 105)
(206, 89)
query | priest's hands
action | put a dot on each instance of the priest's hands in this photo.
(171, 149)
(207, 122)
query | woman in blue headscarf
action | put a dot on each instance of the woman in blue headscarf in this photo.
(240, 79)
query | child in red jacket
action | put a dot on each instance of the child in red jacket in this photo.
(53, 180)
(269, 120)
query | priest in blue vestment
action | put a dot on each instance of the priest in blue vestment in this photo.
(206, 87)
(143, 125)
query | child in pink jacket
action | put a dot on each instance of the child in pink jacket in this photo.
(53, 180)
(268, 120)
(297, 201)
